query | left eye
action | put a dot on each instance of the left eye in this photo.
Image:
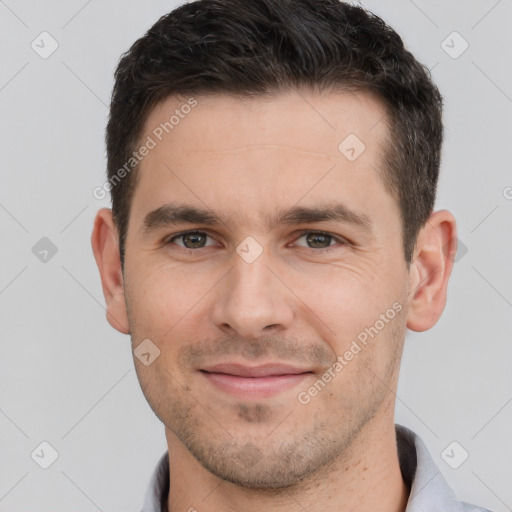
(318, 240)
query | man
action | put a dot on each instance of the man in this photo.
(273, 168)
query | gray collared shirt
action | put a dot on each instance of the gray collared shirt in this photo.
(429, 490)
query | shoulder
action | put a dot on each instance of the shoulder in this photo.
(468, 507)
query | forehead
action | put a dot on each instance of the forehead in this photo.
(303, 121)
(254, 154)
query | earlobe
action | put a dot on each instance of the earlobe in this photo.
(105, 246)
(430, 270)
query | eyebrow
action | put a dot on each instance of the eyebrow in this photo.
(172, 214)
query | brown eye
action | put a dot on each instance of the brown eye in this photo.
(318, 240)
(190, 240)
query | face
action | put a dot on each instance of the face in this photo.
(264, 261)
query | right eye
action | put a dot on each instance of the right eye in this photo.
(190, 239)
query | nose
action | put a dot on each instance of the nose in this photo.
(253, 299)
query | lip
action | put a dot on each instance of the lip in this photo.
(264, 370)
(254, 381)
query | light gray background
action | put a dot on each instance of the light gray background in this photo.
(67, 378)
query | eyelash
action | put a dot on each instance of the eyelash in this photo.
(302, 233)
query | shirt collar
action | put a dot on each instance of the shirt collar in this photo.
(428, 489)
(158, 487)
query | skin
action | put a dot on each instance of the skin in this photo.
(296, 303)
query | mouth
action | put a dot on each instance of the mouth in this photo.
(254, 381)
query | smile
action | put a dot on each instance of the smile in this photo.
(254, 382)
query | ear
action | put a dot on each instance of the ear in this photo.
(105, 246)
(430, 270)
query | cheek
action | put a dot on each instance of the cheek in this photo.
(162, 297)
(352, 305)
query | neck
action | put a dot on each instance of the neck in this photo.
(366, 478)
